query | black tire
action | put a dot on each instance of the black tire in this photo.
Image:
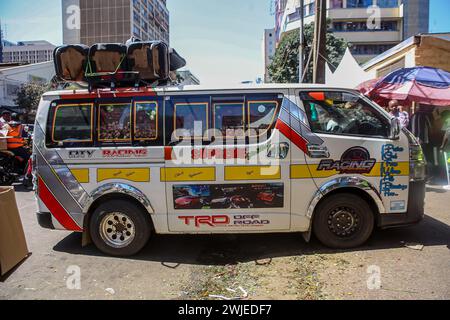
(343, 221)
(140, 219)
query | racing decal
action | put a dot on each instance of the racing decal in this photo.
(239, 196)
(56, 209)
(224, 221)
(252, 173)
(134, 175)
(125, 153)
(355, 160)
(188, 174)
(294, 128)
(389, 170)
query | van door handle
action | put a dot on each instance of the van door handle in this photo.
(316, 152)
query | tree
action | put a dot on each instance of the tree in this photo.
(28, 97)
(284, 66)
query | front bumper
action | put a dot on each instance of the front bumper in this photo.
(416, 208)
(45, 220)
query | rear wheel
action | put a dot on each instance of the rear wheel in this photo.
(343, 221)
(120, 228)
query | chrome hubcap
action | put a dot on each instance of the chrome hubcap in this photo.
(343, 221)
(117, 230)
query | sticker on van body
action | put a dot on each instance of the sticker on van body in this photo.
(235, 196)
(390, 170)
(355, 160)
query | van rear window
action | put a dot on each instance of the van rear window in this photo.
(72, 123)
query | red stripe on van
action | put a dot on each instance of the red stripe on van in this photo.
(168, 153)
(293, 136)
(107, 93)
(56, 209)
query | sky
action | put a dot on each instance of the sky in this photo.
(220, 39)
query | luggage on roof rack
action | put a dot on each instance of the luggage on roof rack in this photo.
(70, 62)
(108, 64)
(118, 65)
(176, 61)
(150, 59)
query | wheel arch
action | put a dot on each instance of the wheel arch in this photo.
(116, 191)
(352, 185)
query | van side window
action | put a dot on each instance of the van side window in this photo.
(341, 113)
(191, 120)
(114, 122)
(261, 116)
(72, 123)
(146, 121)
(229, 119)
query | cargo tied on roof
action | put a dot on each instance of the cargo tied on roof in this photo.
(136, 63)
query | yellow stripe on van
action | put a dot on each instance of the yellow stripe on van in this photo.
(303, 171)
(253, 173)
(134, 175)
(82, 175)
(188, 174)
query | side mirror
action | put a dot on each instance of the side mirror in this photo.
(395, 129)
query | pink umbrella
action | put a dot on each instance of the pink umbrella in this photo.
(423, 85)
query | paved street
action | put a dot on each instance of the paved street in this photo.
(173, 267)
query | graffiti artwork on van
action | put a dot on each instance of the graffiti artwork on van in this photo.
(389, 171)
(236, 196)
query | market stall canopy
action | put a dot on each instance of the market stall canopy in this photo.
(423, 85)
(348, 74)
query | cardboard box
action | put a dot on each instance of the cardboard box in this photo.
(13, 245)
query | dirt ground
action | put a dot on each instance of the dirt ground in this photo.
(279, 266)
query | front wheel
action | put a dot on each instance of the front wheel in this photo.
(343, 221)
(120, 228)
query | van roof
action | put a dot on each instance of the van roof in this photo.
(194, 88)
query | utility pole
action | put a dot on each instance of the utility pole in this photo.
(320, 39)
(1, 43)
(301, 49)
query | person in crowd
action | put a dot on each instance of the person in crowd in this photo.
(16, 141)
(5, 119)
(397, 110)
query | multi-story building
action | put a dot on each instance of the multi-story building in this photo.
(27, 51)
(370, 26)
(114, 21)
(269, 46)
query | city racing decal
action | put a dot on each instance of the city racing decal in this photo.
(355, 160)
(238, 196)
(389, 171)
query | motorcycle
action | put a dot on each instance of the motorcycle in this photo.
(13, 167)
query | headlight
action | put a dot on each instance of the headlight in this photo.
(417, 163)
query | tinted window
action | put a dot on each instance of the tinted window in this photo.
(344, 114)
(72, 123)
(229, 119)
(114, 122)
(146, 121)
(191, 120)
(261, 116)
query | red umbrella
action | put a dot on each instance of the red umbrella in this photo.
(421, 85)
